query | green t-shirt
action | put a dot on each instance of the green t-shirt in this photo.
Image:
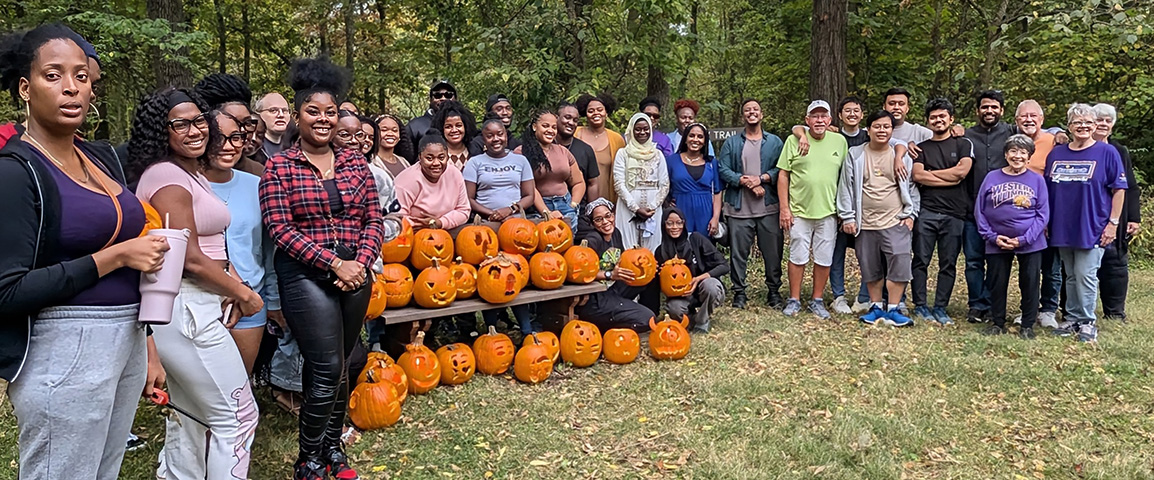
(813, 178)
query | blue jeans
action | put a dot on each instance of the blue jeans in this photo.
(1082, 284)
(975, 249)
(561, 204)
(1051, 279)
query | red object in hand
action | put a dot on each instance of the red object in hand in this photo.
(160, 397)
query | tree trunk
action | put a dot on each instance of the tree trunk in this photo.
(656, 86)
(221, 37)
(939, 85)
(169, 71)
(693, 11)
(827, 64)
(247, 34)
(326, 50)
(350, 33)
(577, 23)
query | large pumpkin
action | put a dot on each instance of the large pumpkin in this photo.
(669, 339)
(397, 282)
(533, 363)
(398, 249)
(377, 299)
(621, 346)
(517, 235)
(498, 280)
(374, 404)
(523, 270)
(494, 352)
(476, 242)
(457, 363)
(554, 233)
(583, 263)
(547, 270)
(676, 278)
(421, 365)
(434, 287)
(429, 244)
(641, 263)
(465, 279)
(550, 341)
(580, 343)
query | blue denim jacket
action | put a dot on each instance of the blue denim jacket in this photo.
(731, 168)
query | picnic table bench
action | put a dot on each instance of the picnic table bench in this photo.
(475, 304)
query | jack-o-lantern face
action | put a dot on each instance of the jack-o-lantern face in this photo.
(429, 244)
(421, 365)
(523, 268)
(641, 263)
(457, 363)
(382, 366)
(476, 242)
(374, 404)
(547, 270)
(669, 339)
(621, 345)
(494, 352)
(465, 278)
(434, 287)
(498, 280)
(583, 264)
(518, 235)
(555, 233)
(532, 364)
(377, 300)
(551, 343)
(399, 249)
(398, 285)
(580, 343)
(676, 278)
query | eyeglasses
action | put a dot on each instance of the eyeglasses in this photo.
(1082, 123)
(443, 95)
(277, 111)
(675, 223)
(180, 126)
(237, 139)
(249, 124)
(600, 220)
(346, 136)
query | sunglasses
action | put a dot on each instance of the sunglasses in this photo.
(180, 126)
(443, 95)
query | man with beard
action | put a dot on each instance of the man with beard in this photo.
(441, 92)
(274, 114)
(939, 171)
(499, 106)
(686, 111)
(567, 118)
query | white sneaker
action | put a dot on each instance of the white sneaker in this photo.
(1018, 319)
(1048, 319)
(840, 306)
(859, 308)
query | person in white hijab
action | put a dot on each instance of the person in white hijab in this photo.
(641, 180)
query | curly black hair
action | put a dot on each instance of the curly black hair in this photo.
(149, 141)
(215, 138)
(604, 98)
(684, 145)
(531, 147)
(431, 138)
(404, 148)
(219, 89)
(453, 108)
(18, 51)
(308, 76)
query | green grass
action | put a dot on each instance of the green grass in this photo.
(763, 396)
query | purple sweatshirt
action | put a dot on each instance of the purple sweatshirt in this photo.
(1016, 206)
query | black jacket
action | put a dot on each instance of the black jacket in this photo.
(1132, 207)
(31, 275)
(703, 257)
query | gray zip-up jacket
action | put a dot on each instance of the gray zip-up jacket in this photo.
(849, 188)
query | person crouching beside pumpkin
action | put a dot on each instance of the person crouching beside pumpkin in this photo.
(691, 269)
(613, 308)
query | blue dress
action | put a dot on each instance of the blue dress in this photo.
(694, 196)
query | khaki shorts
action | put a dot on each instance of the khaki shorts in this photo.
(817, 236)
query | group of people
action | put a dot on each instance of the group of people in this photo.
(288, 204)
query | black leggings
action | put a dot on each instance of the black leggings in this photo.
(615, 308)
(326, 323)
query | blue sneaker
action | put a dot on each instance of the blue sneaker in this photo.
(942, 317)
(873, 315)
(922, 313)
(894, 318)
(792, 307)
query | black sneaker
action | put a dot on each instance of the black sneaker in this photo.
(739, 302)
(1117, 317)
(309, 469)
(1027, 334)
(993, 330)
(338, 465)
(775, 301)
(977, 316)
(134, 443)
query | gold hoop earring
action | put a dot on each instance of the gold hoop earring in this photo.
(93, 111)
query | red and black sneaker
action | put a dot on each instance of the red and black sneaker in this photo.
(337, 464)
(309, 469)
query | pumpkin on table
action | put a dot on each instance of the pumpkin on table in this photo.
(533, 363)
(620, 345)
(550, 341)
(676, 278)
(374, 404)
(431, 244)
(583, 263)
(457, 363)
(398, 285)
(421, 365)
(641, 263)
(434, 287)
(377, 299)
(580, 343)
(547, 270)
(465, 279)
(554, 233)
(476, 242)
(523, 270)
(399, 249)
(498, 280)
(494, 352)
(518, 235)
(669, 339)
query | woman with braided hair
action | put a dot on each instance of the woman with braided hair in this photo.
(559, 183)
(231, 95)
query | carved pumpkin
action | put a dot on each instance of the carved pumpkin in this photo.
(399, 249)
(385, 369)
(517, 235)
(476, 242)
(465, 278)
(457, 363)
(377, 300)
(555, 233)
(641, 263)
(498, 280)
(533, 364)
(429, 244)
(550, 341)
(494, 352)
(583, 263)
(152, 218)
(580, 343)
(374, 404)
(676, 278)
(547, 270)
(523, 270)
(421, 365)
(434, 287)
(669, 339)
(397, 283)
(621, 346)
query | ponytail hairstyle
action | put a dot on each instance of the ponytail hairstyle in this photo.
(431, 138)
(310, 76)
(18, 51)
(221, 89)
(605, 99)
(531, 147)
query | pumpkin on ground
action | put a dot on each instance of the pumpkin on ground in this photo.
(476, 242)
(621, 345)
(399, 249)
(382, 366)
(555, 233)
(669, 339)
(374, 404)
(434, 287)
(583, 263)
(457, 363)
(550, 341)
(641, 263)
(518, 235)
(430, 244)
(494, 352)
(377, 299)
(498, 280)
(421, 365)
(465, 279)
(676, 278)
(547, 270)
(523, 270)
(580, 343)
(533, 364)
(398, 285)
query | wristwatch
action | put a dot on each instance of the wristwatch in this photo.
(1114, 221)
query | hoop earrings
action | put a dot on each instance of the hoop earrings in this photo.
(93, 111)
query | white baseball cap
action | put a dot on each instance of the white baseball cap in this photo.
(816, 104)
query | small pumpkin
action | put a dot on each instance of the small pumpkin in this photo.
(434, 287)
(583, 263)
(551, 342)
(494, 352)
(498, 280)
(398, 285)
(523, 269)
(457, 363)
(669, 339)
(547, 270)
(621, 346)
(374, 404)
(399, 249)
(555, 233)
(377, 299)
(386, 370)
(580, 343)
(676, 278)
(641, 263)
(533, 364)
(421, 365)
(465, 278)
(429, 244)
(518, 235)
(476, 242)
(152, 218)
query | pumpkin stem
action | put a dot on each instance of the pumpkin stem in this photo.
(492, 330)
(584, 242)
(477, 219)
(436, 263)
(420, 340)
(536, 340)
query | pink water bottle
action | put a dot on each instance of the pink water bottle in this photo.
(158, 290)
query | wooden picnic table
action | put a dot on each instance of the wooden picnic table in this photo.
(413, 313)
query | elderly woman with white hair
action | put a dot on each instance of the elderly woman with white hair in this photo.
(1087, 186)
(1114, 274)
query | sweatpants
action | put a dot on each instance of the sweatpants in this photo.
(1029, 281)
(699, 305)
(770, 241)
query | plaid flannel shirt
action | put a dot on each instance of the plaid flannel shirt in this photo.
(295, 208)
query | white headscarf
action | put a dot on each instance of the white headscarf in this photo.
(643, 152)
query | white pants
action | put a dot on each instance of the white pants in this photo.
(206, 376)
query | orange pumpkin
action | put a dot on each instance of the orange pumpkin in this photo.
(547, 270)
(152, 218)
(494, 352)
(580, 343)
(429, 244)
(434, 287)
(533, 364)
(498, 280)
(517, 235)
(398, 285)
(523, 270)
(550, 341)
(398, 249)
(555, 233)
(641, 263)
(377, 300)
(669, 339)
(385, 369)
(476, 242)
(457, 363)
(583, 263)
(621, 346)
(465, 278)
(374, 404)
(676, 278)
(421, 365)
